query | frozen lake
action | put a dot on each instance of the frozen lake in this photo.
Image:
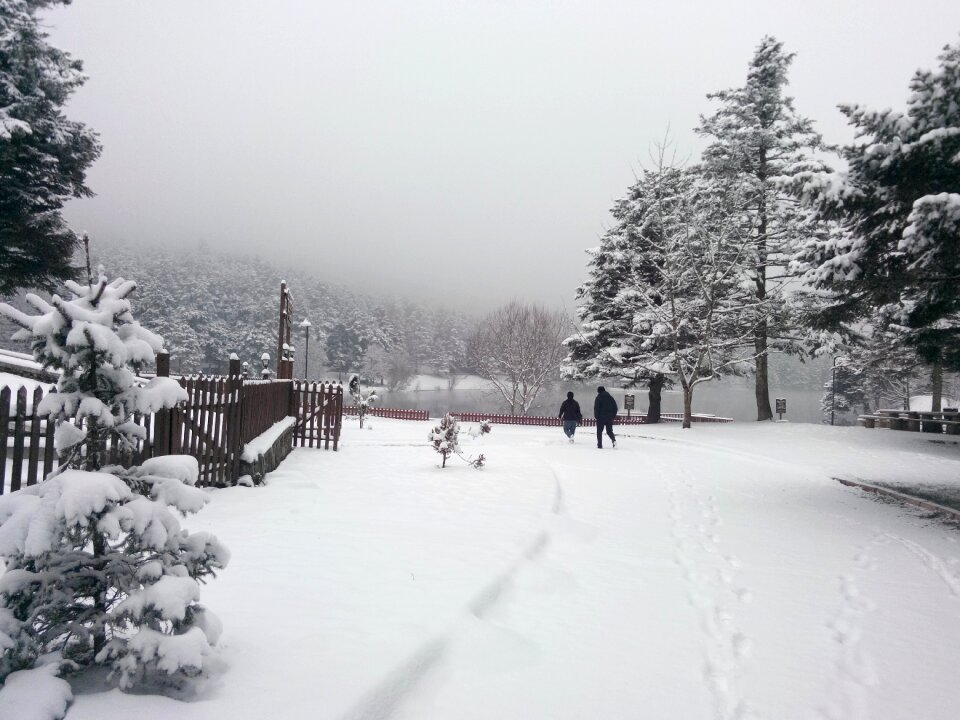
(727, 399)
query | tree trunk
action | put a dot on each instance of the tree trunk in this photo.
(687, 406)
(937, 382)
(760, 338)
(762, 387)
(100, 598)
(655, 387)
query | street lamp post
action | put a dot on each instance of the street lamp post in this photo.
(833, 392)
(306, 325)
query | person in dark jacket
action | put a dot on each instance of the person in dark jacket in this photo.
(571, 416)
(605, 410)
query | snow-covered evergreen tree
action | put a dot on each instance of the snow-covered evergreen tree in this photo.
(43, 155)
(98, 569)
(100, 572)
(97, 346)
(400, 369)
(445, 439)
(684, 310)
(758, 140)
(345, 349)
(614, 266)
(895, 258)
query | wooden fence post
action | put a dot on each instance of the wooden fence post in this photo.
(161, 430)
(233, 424)
(292, 403)
(4, 430)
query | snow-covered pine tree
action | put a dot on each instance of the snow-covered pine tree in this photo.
(417, 338)
(757, 140)
(895, 258)
(889, 370)
(344, 348)
(445, 439)
(43, 155)
(97, 346)
(613, 266)
(98, 570)
(684, 312)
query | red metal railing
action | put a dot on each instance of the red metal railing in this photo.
(394, 413)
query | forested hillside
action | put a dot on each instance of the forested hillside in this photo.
(207, 304)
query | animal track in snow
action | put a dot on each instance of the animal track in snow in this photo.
(710, 576)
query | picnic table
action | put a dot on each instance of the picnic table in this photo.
(940, 421)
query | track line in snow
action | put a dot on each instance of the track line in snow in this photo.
(932, 561)
(387, 696)
(382, 702)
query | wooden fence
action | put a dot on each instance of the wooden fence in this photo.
(220, 416)
(23, 436)
(319, 410)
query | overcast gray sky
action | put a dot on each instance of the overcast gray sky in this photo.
(440, 149)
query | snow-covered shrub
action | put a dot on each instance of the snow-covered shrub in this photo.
(445, 439)
(36, 694)
(361, 402)
(100, 571)
(483, 428)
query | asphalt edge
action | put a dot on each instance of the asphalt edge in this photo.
(903, 497)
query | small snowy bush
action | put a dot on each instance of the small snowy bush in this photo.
(483, 428)
(445, 439)
(361, 401)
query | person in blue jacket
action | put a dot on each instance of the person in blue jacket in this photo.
(605, 410)
(571, 416)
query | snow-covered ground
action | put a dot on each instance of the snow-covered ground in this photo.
(716, 573)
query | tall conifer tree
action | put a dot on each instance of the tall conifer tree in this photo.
(43, 155)
(895, 258)
(757, 139)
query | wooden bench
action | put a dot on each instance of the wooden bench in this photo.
(914, 421)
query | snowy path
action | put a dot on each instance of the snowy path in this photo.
(702, 575)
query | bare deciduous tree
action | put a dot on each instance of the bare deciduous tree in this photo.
(518, 349)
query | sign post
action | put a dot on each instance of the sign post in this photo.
(628, 403)
(781, 407)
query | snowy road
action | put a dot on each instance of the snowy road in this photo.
(718, 573)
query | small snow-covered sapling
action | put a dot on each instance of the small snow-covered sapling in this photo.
(361, 402)
(445, 439)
